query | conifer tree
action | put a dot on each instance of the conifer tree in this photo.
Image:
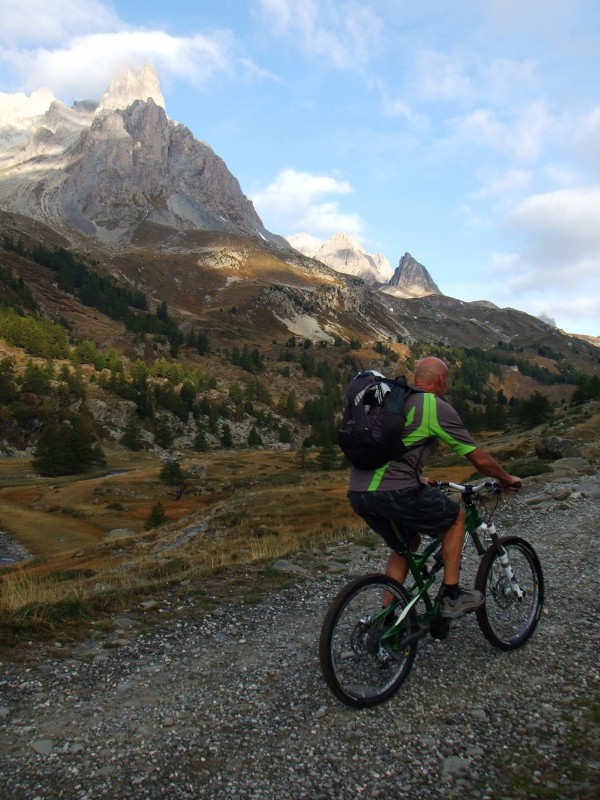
(285, 434)
(200, 443)
(226, 439)
(156, 517)
(254, 438)
(327, 457)
(171, 473)
(8, 385)
(132, 434)
(65, 449)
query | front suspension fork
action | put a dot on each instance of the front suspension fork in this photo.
(503, 559)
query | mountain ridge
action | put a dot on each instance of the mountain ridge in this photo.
(101, 170)
(344, 254)
(152, 206)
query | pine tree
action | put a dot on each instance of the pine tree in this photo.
(171, 473)
(254, 438)
(302, 458)
(156, 517)
(36, 379)
(65, 449)
(226, 438)
(132, 434)
(327, 457)
(8, 386)
(200, 443)
(163, 435)
(285, 434)
(534, 411)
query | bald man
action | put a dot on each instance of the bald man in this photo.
(397, 491)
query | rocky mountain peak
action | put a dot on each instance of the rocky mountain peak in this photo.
(411, 279)
(120, 170)
(130, 86)
(344, 253)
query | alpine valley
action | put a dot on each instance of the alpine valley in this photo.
(144, 300)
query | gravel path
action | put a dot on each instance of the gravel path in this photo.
(232, 704)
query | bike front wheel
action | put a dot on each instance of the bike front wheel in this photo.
(362, 649)
(511, 611)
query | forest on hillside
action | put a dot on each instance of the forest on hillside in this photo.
(46, 393)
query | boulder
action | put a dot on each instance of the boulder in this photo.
(556, 447)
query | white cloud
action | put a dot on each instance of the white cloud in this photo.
(520, 138)
(297, 201)
(561, 231)
(557, 271)
(396, 107)
(76, 48)
(582, 138)
(501, 185)
(342, 34)
(37, 21)
(563, 295)
(442, 76)
(571, 312)
(20, 108)
(85, 65)
(503, 79)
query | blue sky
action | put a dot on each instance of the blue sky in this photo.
(466, 133)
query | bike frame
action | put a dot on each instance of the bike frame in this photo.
(425, 577)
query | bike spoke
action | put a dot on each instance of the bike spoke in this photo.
(509, 617)
(363, 657)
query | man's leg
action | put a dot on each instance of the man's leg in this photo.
(452, 545)
(456, 601)
(397, 565)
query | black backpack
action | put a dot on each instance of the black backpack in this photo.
(373, 423)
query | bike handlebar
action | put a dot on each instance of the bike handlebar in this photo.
(468, 488)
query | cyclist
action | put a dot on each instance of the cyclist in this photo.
(398, 492)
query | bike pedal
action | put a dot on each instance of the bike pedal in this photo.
(418, 633)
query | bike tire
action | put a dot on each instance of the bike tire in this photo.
(506, 621)
(361, 658)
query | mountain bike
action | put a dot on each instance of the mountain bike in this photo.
(370, 632)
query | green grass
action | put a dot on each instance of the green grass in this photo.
(368, 539)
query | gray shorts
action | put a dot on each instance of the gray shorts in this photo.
(421, 510)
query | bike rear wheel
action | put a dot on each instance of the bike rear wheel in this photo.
(363, 658)
(506, 620)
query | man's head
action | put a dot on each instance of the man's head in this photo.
(432, 375)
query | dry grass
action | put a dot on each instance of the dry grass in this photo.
(248, 508)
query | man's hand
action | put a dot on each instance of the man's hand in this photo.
(511, 485)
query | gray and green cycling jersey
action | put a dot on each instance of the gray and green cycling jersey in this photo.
(428, 419)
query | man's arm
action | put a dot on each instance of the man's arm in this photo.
(487, 465)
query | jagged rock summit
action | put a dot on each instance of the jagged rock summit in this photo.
(119, 171)
(130, 86)
(344, 254)
(411, 279)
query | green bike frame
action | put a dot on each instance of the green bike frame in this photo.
(424, 577)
